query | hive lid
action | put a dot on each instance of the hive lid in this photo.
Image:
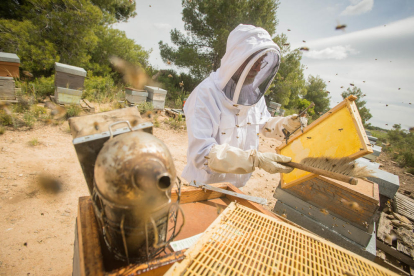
(157, 90)
(69, 69)
(338, 133)
(9, 57)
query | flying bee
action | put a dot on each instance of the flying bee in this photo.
(132, 74)
(351, 84)
(286, 44)
(268, 129)
(342, 87)
(327, 92)
(168, 62)
(399, 88)
(288, 30)
(28, 74)
(324, 211)
(181, 83)
(170, 76)
(304, 49)
(96, 125)
(386, 105)
(304, 41)
(340, 27)
(363, 81)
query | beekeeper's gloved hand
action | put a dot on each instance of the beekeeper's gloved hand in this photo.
(293, 122)
(228, 159)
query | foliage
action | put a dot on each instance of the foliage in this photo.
(101, 89)
(360, 103)
(5, 119)
(73, 110)
(39, 111)
(75, 32)
(176, 123)
(45, 86)
(208, 24)
(381, 135)
(316, 92)
(28, 119)
(2, 130)
(170, 81)
(145, 107)
(289, 84)
(156, 123)
(34, 142)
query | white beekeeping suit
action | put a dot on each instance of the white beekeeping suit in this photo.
(227, 111)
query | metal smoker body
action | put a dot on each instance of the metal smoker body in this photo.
(133, 177)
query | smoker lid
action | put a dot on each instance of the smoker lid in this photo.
(9, 57)
(69, 69)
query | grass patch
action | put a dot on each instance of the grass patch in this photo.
(39, 111)
(5, 119)
(156, 123)
(2, 130)
(28, 119)
(73, 111)
(34, 142)
(144, 107)
(176, 123)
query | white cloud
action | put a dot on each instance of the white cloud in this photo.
(358, 7)
(335, 52)
(163, 26)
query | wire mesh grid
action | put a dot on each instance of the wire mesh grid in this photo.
(246, 242)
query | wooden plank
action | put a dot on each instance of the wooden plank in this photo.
(338, 133)
(193, 194)
(395, 253)
(90, 253)
(154, 267)
(384, 229)
(355, 205)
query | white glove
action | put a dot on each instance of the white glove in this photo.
(228, 159)
(293, 122)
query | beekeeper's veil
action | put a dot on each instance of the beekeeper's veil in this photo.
(249, 65)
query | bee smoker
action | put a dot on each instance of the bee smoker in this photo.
(134, 175)
(130, 174)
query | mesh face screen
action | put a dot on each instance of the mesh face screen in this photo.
(245, 242)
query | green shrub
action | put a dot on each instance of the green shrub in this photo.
(73, 111)
(101, 89)
(39, 111)
(34, 142)
(2, 130)
(176, 123)
(178, 103)
(144, 107)
(156, 123)
(410, 170)
(5, 119)
(44, 86)
(29, 119)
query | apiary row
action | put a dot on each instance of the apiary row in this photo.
(154, 95)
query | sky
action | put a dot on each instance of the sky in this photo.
(375, 52)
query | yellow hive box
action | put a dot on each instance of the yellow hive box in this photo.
(338, 133)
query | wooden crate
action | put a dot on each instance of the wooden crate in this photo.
(68, 76)
(357, 204)
(7, 89)
(9, 65)
(200, 207)
(135, 96)
(338, 133)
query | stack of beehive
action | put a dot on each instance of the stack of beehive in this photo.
(335, 210)
(135, 96)
(156, 96)
(9, 69)
(69, 81)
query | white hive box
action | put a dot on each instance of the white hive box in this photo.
(156, 93)
(67, 96)
(135, 96)
(68, 76)
(7, 91)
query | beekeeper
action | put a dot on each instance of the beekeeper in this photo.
(226, 112)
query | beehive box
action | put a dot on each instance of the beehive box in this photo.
(68, 76)
(156, 93)
(135, 96)
(338, 133)
(157, 104)
(9, 65)
(67, 96)
(275, 105)
(356, 204)
(7, 91)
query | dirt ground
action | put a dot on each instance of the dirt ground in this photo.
(37, 225)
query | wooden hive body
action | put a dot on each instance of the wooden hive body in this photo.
(357, 204)
(9, 65)
(7, 88)
(338, 133)
(68, 76)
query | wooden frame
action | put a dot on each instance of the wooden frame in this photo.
(89, 251)
(364, 144)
